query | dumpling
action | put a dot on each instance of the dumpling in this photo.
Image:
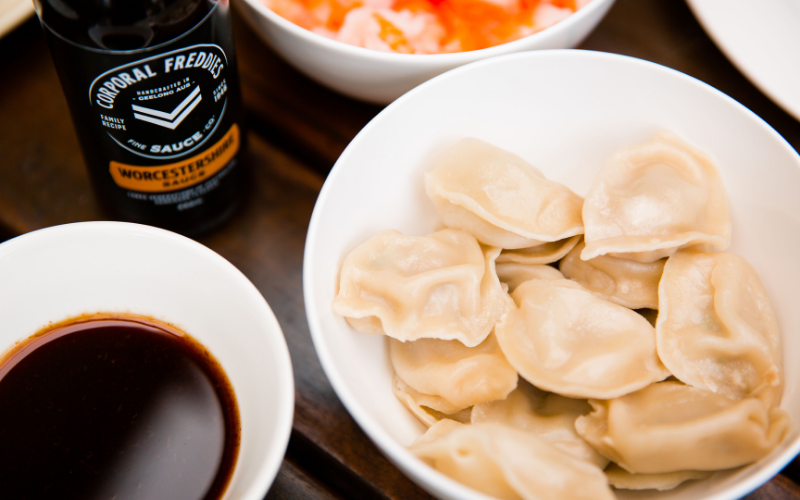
(669, 427)
(650, 200)
(509, 464)
(627, 282)
(546, 253)
(428, 409)
(564, 339)
(549, 416)
(716, 329)
(441, 286)
(501, 199)
(436, 432)
(462, 376)
(623, 480)
(514, 274)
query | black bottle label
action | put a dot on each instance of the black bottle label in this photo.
(158, 125)
(167, 108)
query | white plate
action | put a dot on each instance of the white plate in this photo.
(762, 39)
(565, 111)
(61, 272)
(13, 13)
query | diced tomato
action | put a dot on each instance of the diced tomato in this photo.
(470, 24)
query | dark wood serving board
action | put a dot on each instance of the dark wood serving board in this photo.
(297, 131)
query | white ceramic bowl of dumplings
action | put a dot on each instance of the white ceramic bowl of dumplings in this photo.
(382, 77)
(565, 112)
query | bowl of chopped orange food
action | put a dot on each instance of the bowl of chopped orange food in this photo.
(376, 50)
(538, 288)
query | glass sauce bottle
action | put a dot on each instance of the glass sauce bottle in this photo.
(153, 91)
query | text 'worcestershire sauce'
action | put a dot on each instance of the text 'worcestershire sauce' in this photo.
(153, 90)
(115, 408)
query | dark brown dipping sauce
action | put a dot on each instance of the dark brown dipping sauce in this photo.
(115, 408)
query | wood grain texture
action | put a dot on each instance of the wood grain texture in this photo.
(297, 130)
(779, 488)
(43, 181)
(294, 483)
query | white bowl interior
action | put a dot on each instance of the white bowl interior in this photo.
(61, 272)
(565, 112)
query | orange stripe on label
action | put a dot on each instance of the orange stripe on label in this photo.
(181, 174)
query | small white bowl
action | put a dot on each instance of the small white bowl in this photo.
(382, 77)
(54, 274)
(565, 112)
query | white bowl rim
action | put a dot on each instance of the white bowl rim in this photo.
(285, 407)
(375, 432)
(427, 60)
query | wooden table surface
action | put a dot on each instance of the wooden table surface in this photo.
(297, 130)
